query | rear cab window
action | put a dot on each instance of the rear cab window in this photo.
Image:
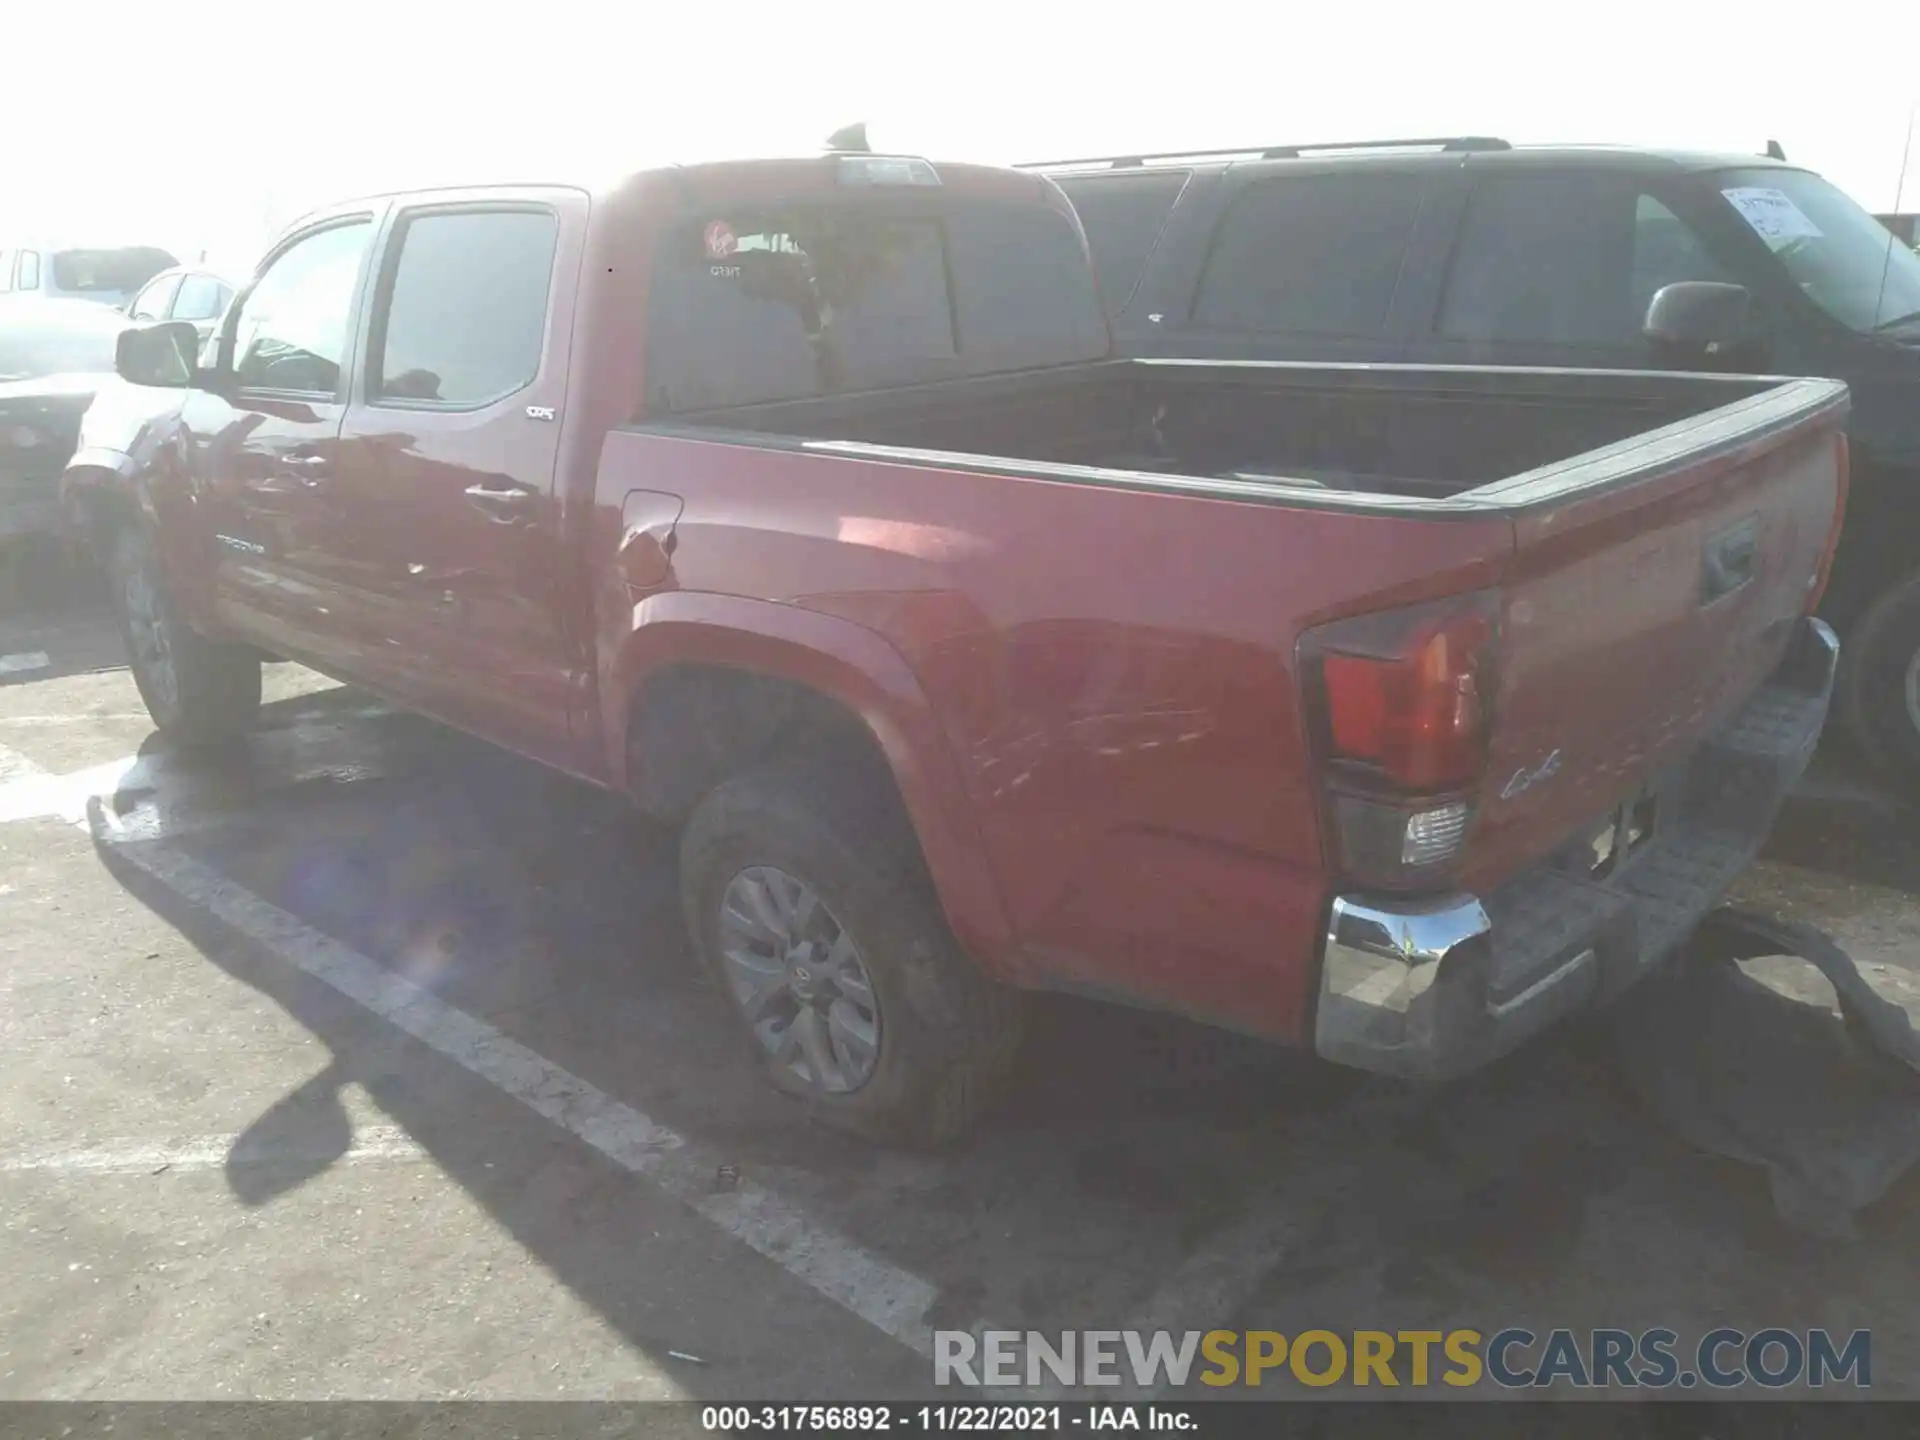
(877, 285)
(1123, 216)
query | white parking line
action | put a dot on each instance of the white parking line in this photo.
(372, 1142)
(885, 1296)
(14, 768)
(30, 792)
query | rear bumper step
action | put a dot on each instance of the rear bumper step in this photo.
(1435, 987)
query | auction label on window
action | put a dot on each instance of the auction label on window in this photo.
(1773, 216)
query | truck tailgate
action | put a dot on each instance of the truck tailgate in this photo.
(1646, 604)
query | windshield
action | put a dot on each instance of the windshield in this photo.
(1847, 262)
(108, 272)
(56, 337)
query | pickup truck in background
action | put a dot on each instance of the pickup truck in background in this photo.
(1394, 711)
(1473, 251)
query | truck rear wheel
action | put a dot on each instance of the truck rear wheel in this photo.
(809, 906)
(198, 691)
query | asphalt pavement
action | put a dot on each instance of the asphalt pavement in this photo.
(370, 1064)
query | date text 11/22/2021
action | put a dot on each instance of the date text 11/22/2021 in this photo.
(938, 1419)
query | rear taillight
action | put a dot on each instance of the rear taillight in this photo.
(1400, 706)
(1817, 587)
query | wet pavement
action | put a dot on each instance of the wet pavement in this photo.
(372, 1064)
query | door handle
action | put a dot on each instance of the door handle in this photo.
(504, 505)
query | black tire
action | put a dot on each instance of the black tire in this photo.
(948, 1037)
(200, 692)
(1880, 673)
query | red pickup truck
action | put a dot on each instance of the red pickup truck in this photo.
(1397, 711)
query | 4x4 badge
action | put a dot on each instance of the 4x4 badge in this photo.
(1524, 779)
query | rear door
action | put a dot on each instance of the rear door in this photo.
(449, 513)
(1556, 267)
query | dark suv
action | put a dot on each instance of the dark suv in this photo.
(1472, 251)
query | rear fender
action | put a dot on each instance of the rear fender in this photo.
(858, 669)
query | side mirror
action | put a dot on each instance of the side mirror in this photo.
(1702, 316)
(161, 353)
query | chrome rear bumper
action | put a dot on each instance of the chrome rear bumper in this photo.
(1432, 987)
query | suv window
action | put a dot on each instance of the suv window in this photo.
(29, 270)
(291, 333)
(202, 297)
(1310, 255)
(760, 305)
(1666, 251)
(465, 317)
(1123, 217)
(1568, 259)
(6, 271)
(151, 303)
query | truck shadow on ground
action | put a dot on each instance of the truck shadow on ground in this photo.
(1541, 1190)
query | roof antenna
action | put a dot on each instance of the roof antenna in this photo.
(1899, 194)
(850, 139)
(1774, 152)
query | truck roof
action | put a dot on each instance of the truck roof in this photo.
(733, 174)
(1483, 150)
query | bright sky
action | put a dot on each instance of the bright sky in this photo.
(206, 125)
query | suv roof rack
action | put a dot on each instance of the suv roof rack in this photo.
(1454, 143)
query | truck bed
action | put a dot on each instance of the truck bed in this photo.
(1371, 435)
(1106, 579)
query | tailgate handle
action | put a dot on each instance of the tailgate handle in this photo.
(1728, 559)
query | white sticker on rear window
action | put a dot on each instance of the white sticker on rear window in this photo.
(1773, 216)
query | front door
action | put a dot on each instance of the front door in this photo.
(269, 445)
(449, 453)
